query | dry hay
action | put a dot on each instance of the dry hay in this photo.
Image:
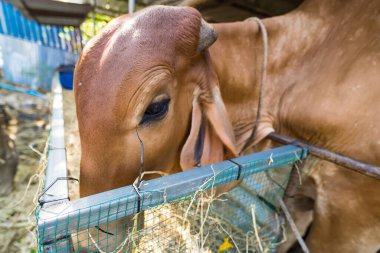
(190, 224)
(193, 224)
(29, 128)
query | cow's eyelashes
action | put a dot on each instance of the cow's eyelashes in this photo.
(155, 111)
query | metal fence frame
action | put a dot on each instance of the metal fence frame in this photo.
(58, 209)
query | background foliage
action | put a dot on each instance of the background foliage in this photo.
(88, 29)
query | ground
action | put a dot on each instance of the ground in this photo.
(29, 128)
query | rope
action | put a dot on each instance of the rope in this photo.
(263, 81)
(141, 159)
(137, 185)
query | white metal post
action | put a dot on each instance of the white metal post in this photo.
(131, 6)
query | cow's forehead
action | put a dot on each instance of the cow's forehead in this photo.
(118, 60)
(163, 26)
(156, 36)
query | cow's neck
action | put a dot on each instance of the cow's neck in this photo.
(238, 54)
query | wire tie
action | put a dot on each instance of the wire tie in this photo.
(240, 167)
(139, 197)
(42, 202)
(104, 231)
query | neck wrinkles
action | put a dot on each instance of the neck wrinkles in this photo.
(238, 57)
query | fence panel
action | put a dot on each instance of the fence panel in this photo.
(179, 212)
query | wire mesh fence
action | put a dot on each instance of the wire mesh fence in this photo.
(191, 211)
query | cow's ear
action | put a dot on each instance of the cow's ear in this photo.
(211, 137)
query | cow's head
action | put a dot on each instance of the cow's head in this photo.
(149, 73)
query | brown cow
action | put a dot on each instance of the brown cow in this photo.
(153, 72)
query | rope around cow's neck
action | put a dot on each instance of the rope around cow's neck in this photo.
(252, 137)
(263, 30)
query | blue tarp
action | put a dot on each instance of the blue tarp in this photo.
(31, 64)
(31, 52)
(13, 23)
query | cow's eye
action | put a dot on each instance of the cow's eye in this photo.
(155, 111)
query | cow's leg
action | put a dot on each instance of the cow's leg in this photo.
(299, 199)
(347, 211)
(302, 221)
